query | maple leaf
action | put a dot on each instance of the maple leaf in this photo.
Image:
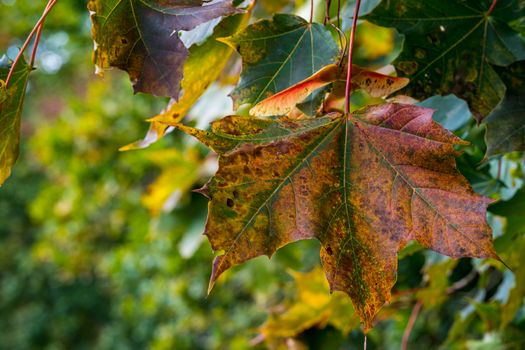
(454, 51)
(11, 102)
(363, 185)
(278, 53)
(141, 37)
(203, 66)
(375, 84)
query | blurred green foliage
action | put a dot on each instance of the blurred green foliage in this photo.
(96, 253)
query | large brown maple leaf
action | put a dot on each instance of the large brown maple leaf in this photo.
(363, 185)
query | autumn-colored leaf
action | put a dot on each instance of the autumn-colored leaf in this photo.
(11, 101)
(454, 50)
(312, 306)
(279, 53)
(363, 185)
(142, 38)
(179, 172)
(375, 84)
(204, 64)
(155, 132)
(284, 101)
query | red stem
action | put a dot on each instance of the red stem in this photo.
(35, 29)
(37, 38)
(492, 6)
(410, 324)
(350, 54)
(35, 46)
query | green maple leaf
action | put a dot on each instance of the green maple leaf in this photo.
(452, 47)
(141, 37)
(363, 185)
(11, 101)
(279, 53)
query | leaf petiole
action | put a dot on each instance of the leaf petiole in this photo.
(350, 54)
(492, 6)
(36, 29)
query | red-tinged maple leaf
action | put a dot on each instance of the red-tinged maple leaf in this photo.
(142, 38)
(375, 84)
(363, 185)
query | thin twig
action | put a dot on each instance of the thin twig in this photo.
(37, 38)
(462, 283)
(35, 29)
(342, 43)
(327, 13)
(35, 46)
(311, 11)
(350, 54)
(364, 343)
(492, 6)
(410, 324)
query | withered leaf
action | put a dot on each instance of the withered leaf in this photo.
(11, 101)
(375, 84)
(363, 185)
(141, 37)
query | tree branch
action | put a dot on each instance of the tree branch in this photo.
(410, 324)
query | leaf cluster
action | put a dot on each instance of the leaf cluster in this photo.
(293, 165)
